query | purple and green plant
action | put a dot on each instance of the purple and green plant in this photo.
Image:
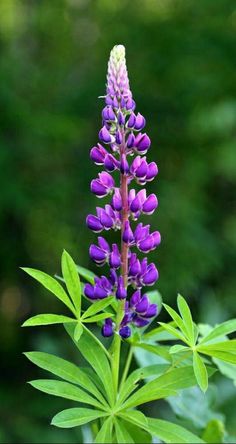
(118, 303)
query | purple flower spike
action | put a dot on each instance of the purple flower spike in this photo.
(107, 329)
(121, 132)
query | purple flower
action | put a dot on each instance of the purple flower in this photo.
(103, 185)
(125, 154)
(108, 328)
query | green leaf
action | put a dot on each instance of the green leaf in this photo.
(86, 274)
(65, 370)
(52, 285)
(228, 346)
(78, 331)
(187, 318)
(220, 330)
(186, 406)
(138, 435)
(156, 349)
(105, 433)
(96, 357)
(226, 369)
(224, 356)
(75, 417)
(214, 432)
(98, 306)
(156, 334)
(200, 372)
(178, 321)
(137, 375)
(98, 317)
(172, 380)
(47, 319)
(64, 390)
(72, 280)
(122, 434)
(178, 348)
(173, 331)
(143, 396)
(171, 433)
(135, 417)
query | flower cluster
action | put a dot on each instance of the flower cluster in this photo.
(122, 135)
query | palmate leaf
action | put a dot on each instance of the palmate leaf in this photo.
(52, 285)
(96, 357)
(171, 433)
(47, 319)
(200, 371)
(75, 417)
(105, 433)
(72, 280)
(65, 390)
(65, 370)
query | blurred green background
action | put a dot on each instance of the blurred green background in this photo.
(181, 61)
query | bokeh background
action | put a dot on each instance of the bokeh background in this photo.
(181, 60)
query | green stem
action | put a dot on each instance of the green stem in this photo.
(127, 365)
(115, 348)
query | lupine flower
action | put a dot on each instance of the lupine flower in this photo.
(121, 133)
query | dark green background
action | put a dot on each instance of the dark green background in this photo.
(181, 61)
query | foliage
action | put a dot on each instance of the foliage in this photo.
(116, 407)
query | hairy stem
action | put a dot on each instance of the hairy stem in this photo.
(124, 272)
